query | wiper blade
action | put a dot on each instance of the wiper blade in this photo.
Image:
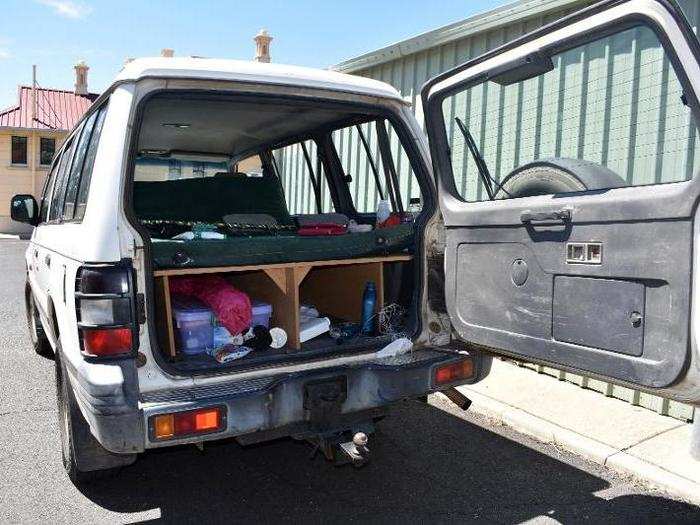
(489, 183)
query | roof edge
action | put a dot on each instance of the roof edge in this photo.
(478, 23)
(58, 90)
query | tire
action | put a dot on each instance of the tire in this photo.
(37, 335)
(557, 175)
(83, 456)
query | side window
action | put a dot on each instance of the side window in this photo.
(19, 150)
(250, 166)
(47, 147)
(376, 165)
(59, 186)
(88, 165)
(614, 102)
(302, 175)
(77, 167)
(48, 189)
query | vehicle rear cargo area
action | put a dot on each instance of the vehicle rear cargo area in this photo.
(277, 230)
(318, 306)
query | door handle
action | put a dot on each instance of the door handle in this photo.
(47, 260)
(36, 254)
(545, 216)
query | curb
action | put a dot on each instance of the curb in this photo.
(600, 453)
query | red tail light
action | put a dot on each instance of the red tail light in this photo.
(454, 372)
(106, 310)
(107, 342)
(189, 423)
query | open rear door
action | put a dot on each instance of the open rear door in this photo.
(567, 164)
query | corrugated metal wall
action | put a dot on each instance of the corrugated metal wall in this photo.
(659, 147)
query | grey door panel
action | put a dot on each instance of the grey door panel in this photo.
(596, 281)
(553, 315)
(599, 313)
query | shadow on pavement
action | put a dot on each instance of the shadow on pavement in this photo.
(427, 466)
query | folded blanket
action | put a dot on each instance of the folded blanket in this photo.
(322, 218)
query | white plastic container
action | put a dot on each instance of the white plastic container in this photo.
(313, 327)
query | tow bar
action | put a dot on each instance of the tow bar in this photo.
(342, 452)
(323, 400)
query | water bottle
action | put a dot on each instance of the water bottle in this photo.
(383, 211)
(369, 301)
(414, 208)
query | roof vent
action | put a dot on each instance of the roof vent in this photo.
(166, 52)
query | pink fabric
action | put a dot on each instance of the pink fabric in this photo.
(232, 307)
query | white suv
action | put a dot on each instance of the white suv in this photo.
(198, 195)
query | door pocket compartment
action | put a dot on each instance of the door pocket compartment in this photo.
(599, 313)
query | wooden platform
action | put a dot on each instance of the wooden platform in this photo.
(335, 287)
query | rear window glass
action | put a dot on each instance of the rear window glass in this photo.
(151, 169)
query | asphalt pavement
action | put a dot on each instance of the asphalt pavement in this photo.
(431, 462)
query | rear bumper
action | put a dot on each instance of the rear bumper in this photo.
(108, 398)
(276, 403)
(107, 395)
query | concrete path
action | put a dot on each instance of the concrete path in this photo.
(632, 440)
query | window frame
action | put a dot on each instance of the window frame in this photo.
(48, 188)
(383, 160)
(55, 166)
(339, 193)
(63, 170)
(98, 127)
(26, 151)
(86, 132)
(436, 124)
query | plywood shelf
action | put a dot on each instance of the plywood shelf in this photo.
(334, 286)
(265, 267)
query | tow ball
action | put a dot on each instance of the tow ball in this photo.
(341, 452)
(356, 450)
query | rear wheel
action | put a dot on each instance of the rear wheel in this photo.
(83, 457)
(37, 335)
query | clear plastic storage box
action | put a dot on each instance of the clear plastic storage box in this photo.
(194, 329)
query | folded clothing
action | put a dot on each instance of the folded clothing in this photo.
(322, 228)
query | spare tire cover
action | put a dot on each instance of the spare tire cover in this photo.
(557, 175)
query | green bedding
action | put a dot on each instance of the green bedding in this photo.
(279, 248)
(209, 199)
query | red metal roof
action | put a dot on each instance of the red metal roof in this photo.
(56, 109)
